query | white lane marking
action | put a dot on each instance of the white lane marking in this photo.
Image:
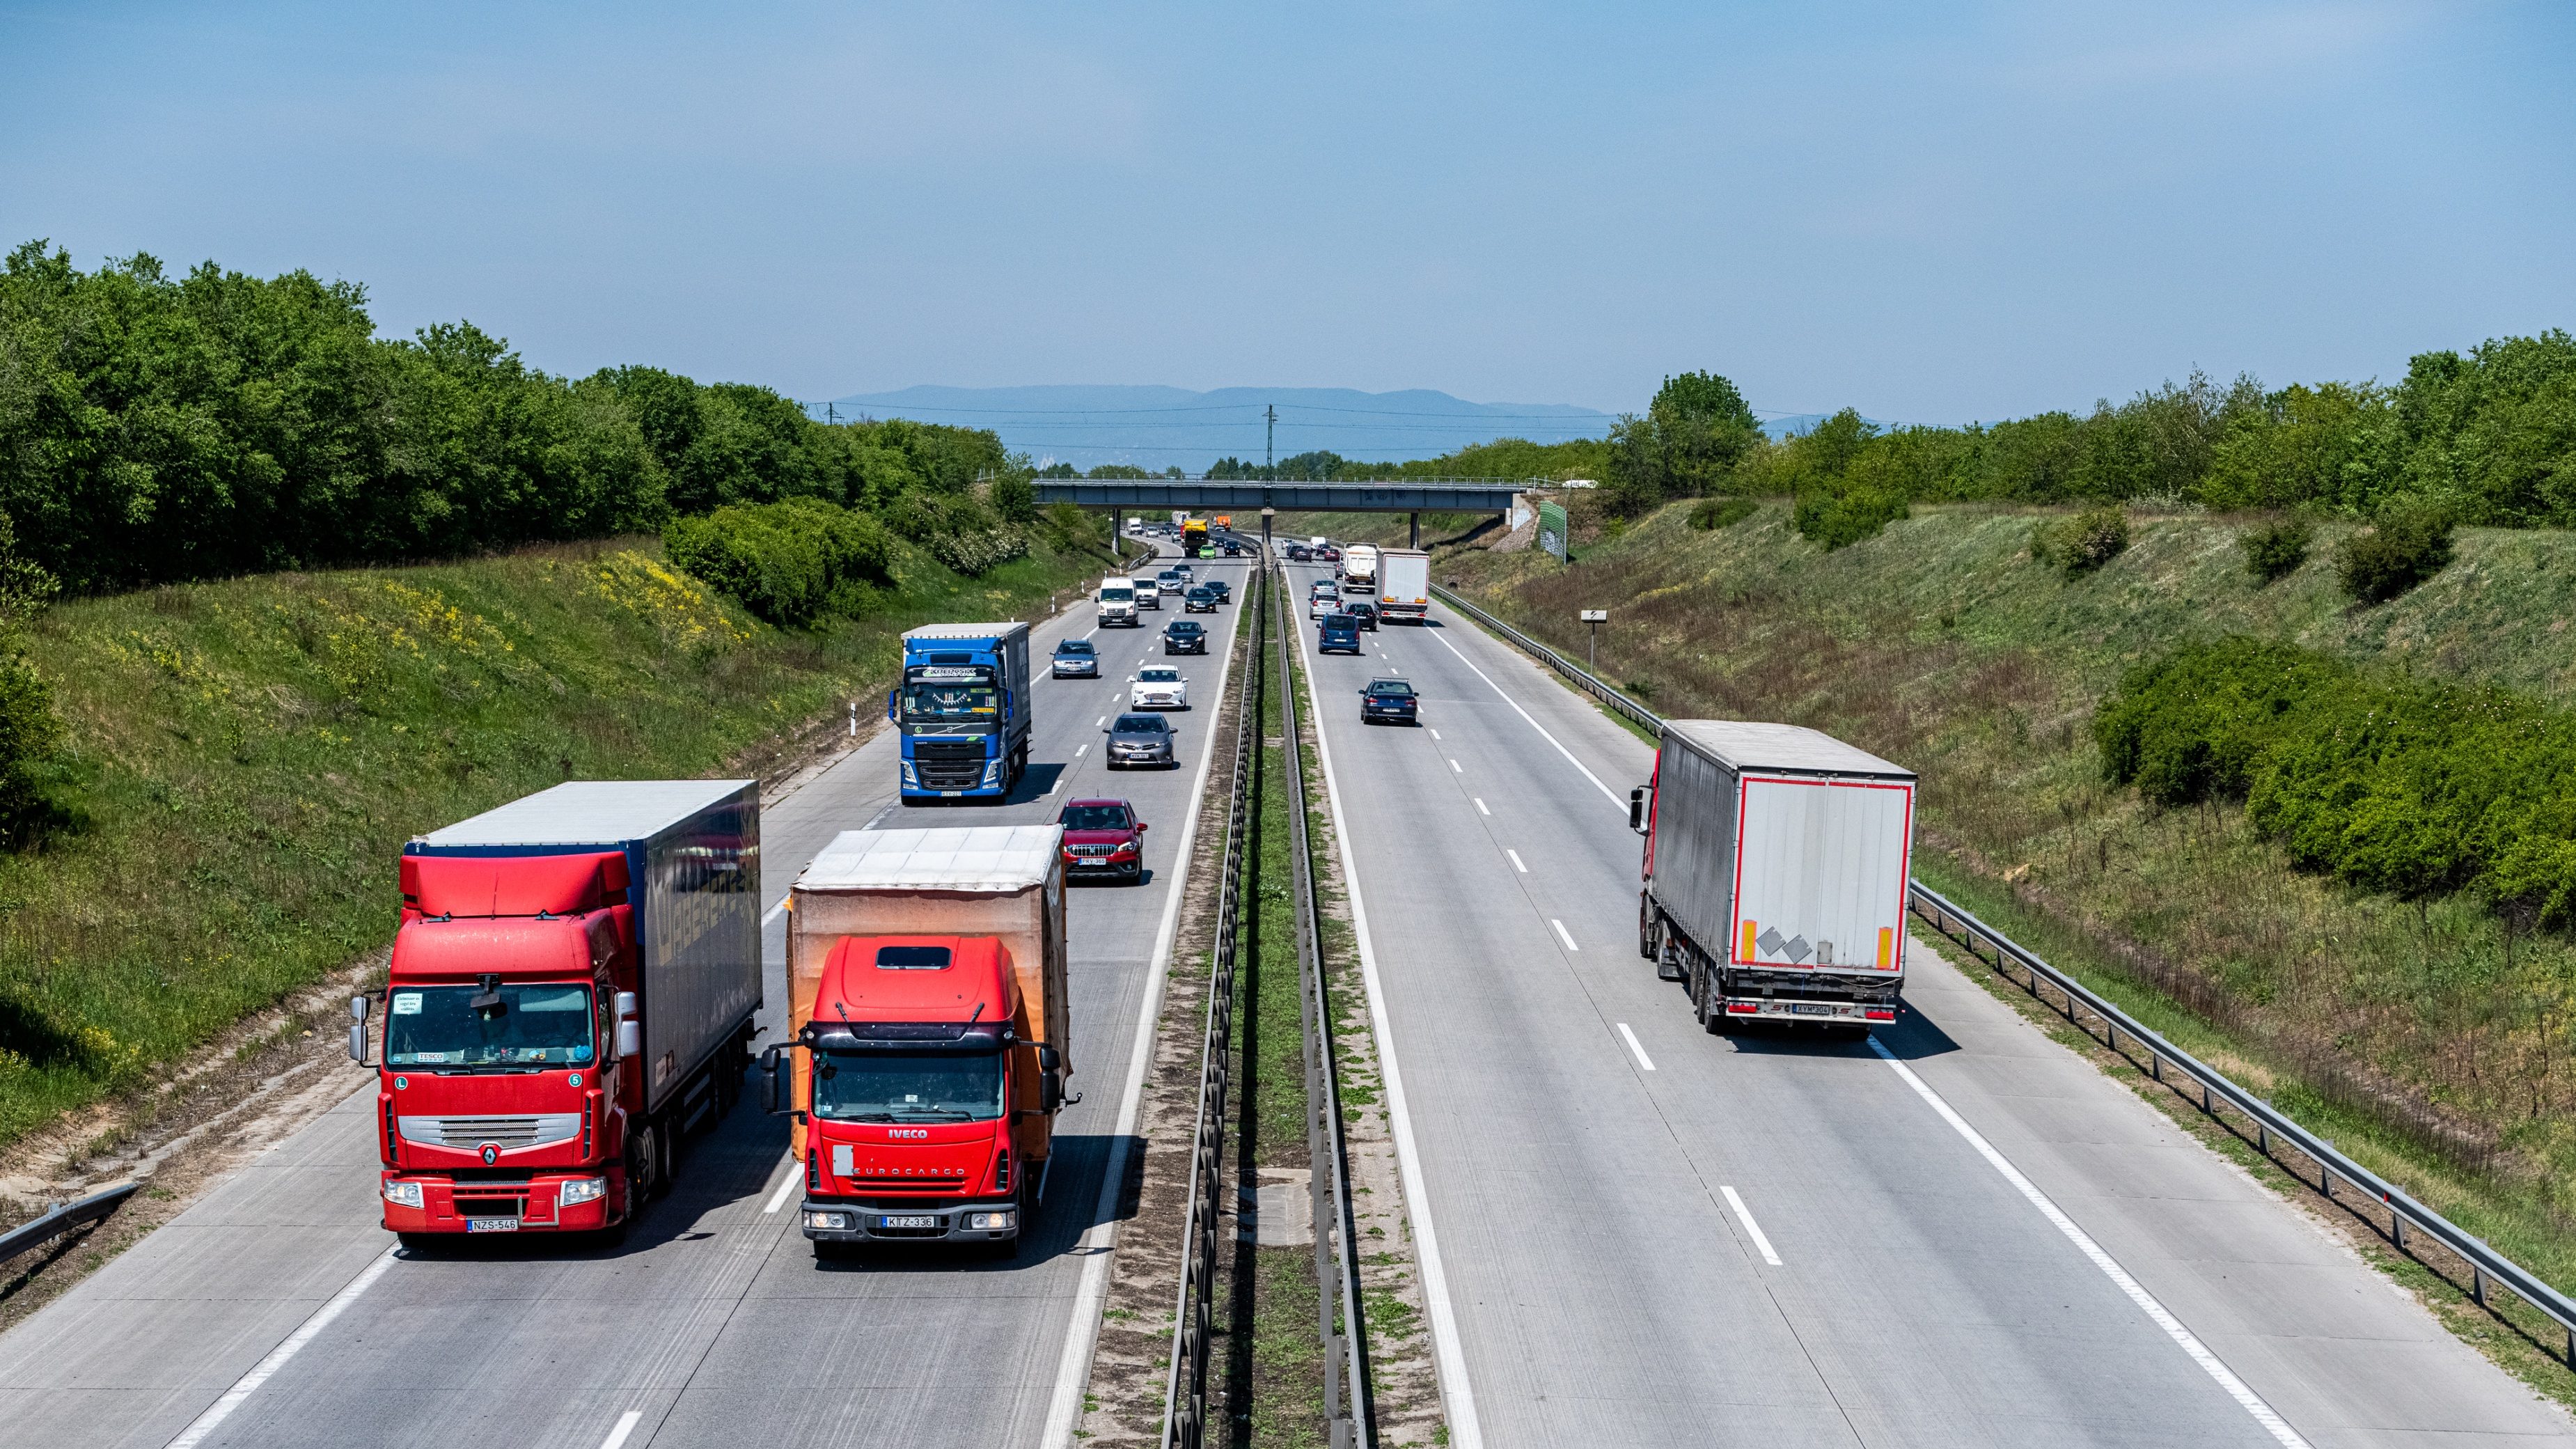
(1457, 1395)
(786, 1185)
(1752, 1229)
(626, 1423)
(1562, 934)
(1516, 860)
(1104, 719)
(1454, 765)
(2190, 1343)
(1480, 805)
(1435, 734)
(775, 911)
(1073, 1368)
(248, 1384)
(1534, 724)
(1636, 1046)
(1077, 754)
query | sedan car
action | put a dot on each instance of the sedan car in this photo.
(1076, 659)
(1223, 590)
(1364, 612)
(1103, 837)
(1299, 553)
(1328, 554)
(1337, 631)
(1185, 636)
(1199, 600)
(1389, 701)
(1140, 739)
(1158, 686)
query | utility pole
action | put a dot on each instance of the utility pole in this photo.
(1269, 443)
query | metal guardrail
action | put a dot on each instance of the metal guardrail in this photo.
(1185, 1392)
(2486, 1267)
(63, 1219)
(1347, 1410)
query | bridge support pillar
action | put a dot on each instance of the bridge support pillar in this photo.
(1413, 530)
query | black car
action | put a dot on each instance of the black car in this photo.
(1364, 612)
(1224, 590)
(1233, 549)
(1299, 553)
(1337, 631)
(1201, 599)
(1391, 700)
(1185, 636)
(1140, 739)
(1076, 659)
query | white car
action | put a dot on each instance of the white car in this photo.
(1322, 604)
(1158, 686)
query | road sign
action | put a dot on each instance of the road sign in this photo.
(1596, 616)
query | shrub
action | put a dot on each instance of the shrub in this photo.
(1015, 498)
(2274, 550)
(1840, 515)
(959, 530)
(2192, 725)
(786, 561)
(1068, 527)
(1710, 514)
(2408, 543)
(2082, 542)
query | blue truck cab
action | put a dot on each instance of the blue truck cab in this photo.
(963, 711)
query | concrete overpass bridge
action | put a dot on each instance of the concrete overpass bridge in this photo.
(1414, 496)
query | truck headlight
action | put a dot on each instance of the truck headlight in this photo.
(909, 777)
(403, 1194)
(993, 773)
(582, 1189)
(992, 1222)
(834, 1221)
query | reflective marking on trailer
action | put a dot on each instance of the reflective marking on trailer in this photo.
(626, 1423)
(1752, 1229)
(1516, 860)
(1563, 935)
(1636, 1046)
(1480, 805)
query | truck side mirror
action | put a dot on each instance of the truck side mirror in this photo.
(773, 1084)
(1637, 810)
(358, 1030)
(630, 1032)
(891, 696)
(1049, 1059)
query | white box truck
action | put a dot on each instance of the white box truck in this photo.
(1117, 600)
(1403, 583)
(1775, 869)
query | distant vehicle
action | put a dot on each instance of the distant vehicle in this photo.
(1194, 537)
(1775, 869)
(1140, 739)
(1199, 600)
(1158, 686)
(1117, 602)
(1359, 570)
(1403, 583)
(1337, 631)
(1362, 612)
(1299, 553)
(1184, 636)
(962, 711)
(1077, 659)
(1388, 701)
(1148, 591)
(1135, 525)
(1169, 581)
(1328, 554)
(1233, 549)
(1320, 605)
(1224, 590)
(1102, 837)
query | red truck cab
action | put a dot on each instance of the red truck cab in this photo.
(927, 1101)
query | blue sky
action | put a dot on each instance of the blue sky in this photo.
(1934, 213)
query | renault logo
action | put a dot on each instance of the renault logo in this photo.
(491, 1154)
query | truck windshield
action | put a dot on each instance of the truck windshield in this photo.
(907, 1087)
(440, 1026)
(946, 703)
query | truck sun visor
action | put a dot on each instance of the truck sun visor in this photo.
(912, 958)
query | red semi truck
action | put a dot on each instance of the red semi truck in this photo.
(572, 992)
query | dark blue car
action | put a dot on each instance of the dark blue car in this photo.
(1389, 700)
(1337, 631)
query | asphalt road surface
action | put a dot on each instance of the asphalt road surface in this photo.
(1649, 1235)
(713, 1324)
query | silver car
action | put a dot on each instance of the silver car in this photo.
(1141, 739)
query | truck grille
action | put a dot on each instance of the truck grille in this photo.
(875, 1182)
(949, 764)
(507, 1133)
(510, 1202)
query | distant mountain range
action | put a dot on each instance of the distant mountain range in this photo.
(1160, 427)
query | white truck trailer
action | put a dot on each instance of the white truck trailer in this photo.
(1775, 869)
(1403, 583)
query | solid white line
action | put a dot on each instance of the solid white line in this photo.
(1461, 769)
(1480, 805)
(1457, 1395)
(260, 1372)
(2226, 1378)
(626, 1423)
(1752, 1229)
(1563, 935)
(1516, 860)
(1073, 1368)
(1534, 724)
(1637, 1046)
(786, 1185)
(775, 911)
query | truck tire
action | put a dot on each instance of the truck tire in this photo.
(648, 1159)
(418, 1245)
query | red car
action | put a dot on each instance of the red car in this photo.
(1103, 837)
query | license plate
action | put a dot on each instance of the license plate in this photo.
(491, 1225)
(1810, 1008)
(908, 1222)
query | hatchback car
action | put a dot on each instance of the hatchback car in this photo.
(1158, 686)
(1328, 554)
(1076, 659)
(1185, 636)
(1188, 575)
(1390, 701)
(1364, 612)
(1337, 631)
(1199, 600)
(1299, 553)
(1102, 837)
(1224, 591)
(1168, 582)
(1233, 549)
(1321, 604)
(1140, 739)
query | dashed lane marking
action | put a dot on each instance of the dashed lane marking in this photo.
(1752, 1229)
(1636, 1046)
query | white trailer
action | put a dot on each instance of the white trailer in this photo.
(1403, 583)
(1775, 870)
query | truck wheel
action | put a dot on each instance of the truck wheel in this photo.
(648, 1159)
(418, 1245)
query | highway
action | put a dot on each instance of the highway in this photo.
(276, 1303)
(1643, 1234)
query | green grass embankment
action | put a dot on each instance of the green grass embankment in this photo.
(250, 754)
(2427, 1042)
